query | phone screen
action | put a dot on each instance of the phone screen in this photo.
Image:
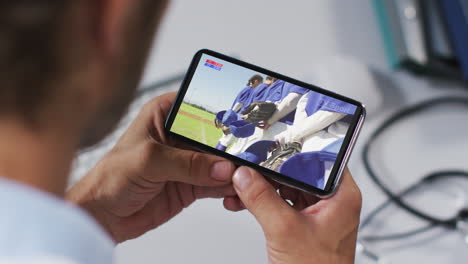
(298, 132)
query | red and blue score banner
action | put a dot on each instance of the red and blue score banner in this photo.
(213, 65)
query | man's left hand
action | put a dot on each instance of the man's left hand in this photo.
(148, 178)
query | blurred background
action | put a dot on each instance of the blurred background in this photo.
(390, 54)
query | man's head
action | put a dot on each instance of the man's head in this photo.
(255, 81)
(269, 80)
(73, 63)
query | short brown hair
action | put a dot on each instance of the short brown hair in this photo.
(254, 78)
(29, 43)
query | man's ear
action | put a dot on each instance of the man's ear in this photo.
(98, 29)
(108, 23)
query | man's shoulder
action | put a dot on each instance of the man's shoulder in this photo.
(38, 224)
(43, 260)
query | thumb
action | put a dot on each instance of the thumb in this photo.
(342, 209)
(261, 199)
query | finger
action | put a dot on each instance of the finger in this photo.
(261, 199)
(304, 201)
(289, 194)
(150, 120)
(342, 207)
(233, 203)
(274, 183)
(213, 192)
(300, 200)
(182, 145)
(158, 109)
(164, 102)
(165, 163)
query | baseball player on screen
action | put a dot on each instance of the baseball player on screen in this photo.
(317, 122)
(225, 118)
(320, 125)
(272, 112)
(239, 104)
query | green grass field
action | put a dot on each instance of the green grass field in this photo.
(198, 112)
(196, 129)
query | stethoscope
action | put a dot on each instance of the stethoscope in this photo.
(458, 222)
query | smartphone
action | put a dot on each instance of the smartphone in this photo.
(296, 133)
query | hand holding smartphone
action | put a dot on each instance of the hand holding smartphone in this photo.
(298, 134)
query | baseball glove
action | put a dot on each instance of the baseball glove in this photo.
(259, 111)
(280, 154)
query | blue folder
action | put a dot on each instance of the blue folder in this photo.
(455, 15)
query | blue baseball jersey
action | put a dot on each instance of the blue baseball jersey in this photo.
(275, 91)
(278, 91)
(317, 102)
(257, 94)
(243, 96)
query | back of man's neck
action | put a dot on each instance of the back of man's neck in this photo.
(37, 158)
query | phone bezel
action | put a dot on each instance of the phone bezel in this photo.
(342, 156)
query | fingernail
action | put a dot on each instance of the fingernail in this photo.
(221, 171)
(242, 178)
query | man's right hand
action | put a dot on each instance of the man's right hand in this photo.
(310, 231)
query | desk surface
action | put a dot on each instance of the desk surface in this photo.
(288, 39)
